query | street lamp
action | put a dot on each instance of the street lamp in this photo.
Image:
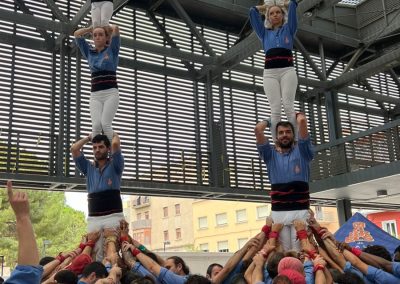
(45, 244)
(166, 243)
(2, 264)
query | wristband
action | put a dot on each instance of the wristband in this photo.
(135, 252)
(266, 229)
(124, 239)
(312, 254)
(318, 267)
(273, 235)
(302, 234)
(82, 246)
(90, 244)
(356, 251)
(60, 258)
(142, 248)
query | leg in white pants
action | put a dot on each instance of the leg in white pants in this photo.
(107, 10)
(272, 90)
(103, 107)
(288, 236)
(96, 14)
(288, 90)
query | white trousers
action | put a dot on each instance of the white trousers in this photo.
(288, 236)
(280, 84)
(101, 13)
(100, 223)
(103, 107)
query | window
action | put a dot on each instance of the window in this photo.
(204, 247)
(178, 234)
(138, 216)
(223, 246)
(221, 219)
(241, 216)
(262, 212)
(177, 209)
(166, 236)
(146, 215)
(203, 222)
(241, 242)
(390, 227)
(165, 210)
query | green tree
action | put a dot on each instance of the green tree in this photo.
(52, 220)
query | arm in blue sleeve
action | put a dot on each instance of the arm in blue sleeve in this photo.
(82, 164)
(141, 270)
(306, 148)
(376, 275)
(25, 274)
(83, 46)
(309, 272)
(265, 151)
(168, 277)
(396, 269)
(267, 278)
(292, 17)
(232, 274)
(257, 23)
(118, 161)
(115, 44)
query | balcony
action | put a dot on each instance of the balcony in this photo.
(141, 224)
(140, 202)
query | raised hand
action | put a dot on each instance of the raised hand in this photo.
(18, 201)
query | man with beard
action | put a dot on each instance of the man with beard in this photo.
(288, 168)
(103, 181)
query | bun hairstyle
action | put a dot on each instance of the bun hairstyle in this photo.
(283, 4)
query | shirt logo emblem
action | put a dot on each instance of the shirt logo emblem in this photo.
(106, 57)
(109, 182)
(297, 169)
(286, 40)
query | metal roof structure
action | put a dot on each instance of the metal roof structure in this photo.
(191, 92)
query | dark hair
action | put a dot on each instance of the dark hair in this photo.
(66, 277)
(97, 267)
(281, 279)
(45, 260)
(285, 124)
(152, 255)
(130, 276)
(211, 267)
(177, 260)
(144, 280)
(100, 137)
(197, 279)
(349, 278)
(397, 249)
(273, 262)
(380, 251)
(238, 279)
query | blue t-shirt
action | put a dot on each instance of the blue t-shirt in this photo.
(232, 274)
(396, 269)
(140, 269)
(168, 277)
(348, 267)
(25, 274)
(290, 166)
(107, 179)
(105, 60)
(278, 38)
(377, 275)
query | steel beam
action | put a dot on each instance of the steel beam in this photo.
(344, 210)
(308, 58)
(386, 61)
(185, 17)
(56, 11)
(32, 21)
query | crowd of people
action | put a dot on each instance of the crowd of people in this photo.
(321, 258)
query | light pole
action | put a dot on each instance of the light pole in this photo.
(45, 244)
(2, 264)
(166, 243)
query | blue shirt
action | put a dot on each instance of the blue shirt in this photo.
(25, 274)
(278, 38)
(290, 166)
(107, 179)
(348, 267)
(105, 60)
(141, 270)
(168, 277)
(232, 274)
(377, 275)
(396, 269)
(309, 271)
